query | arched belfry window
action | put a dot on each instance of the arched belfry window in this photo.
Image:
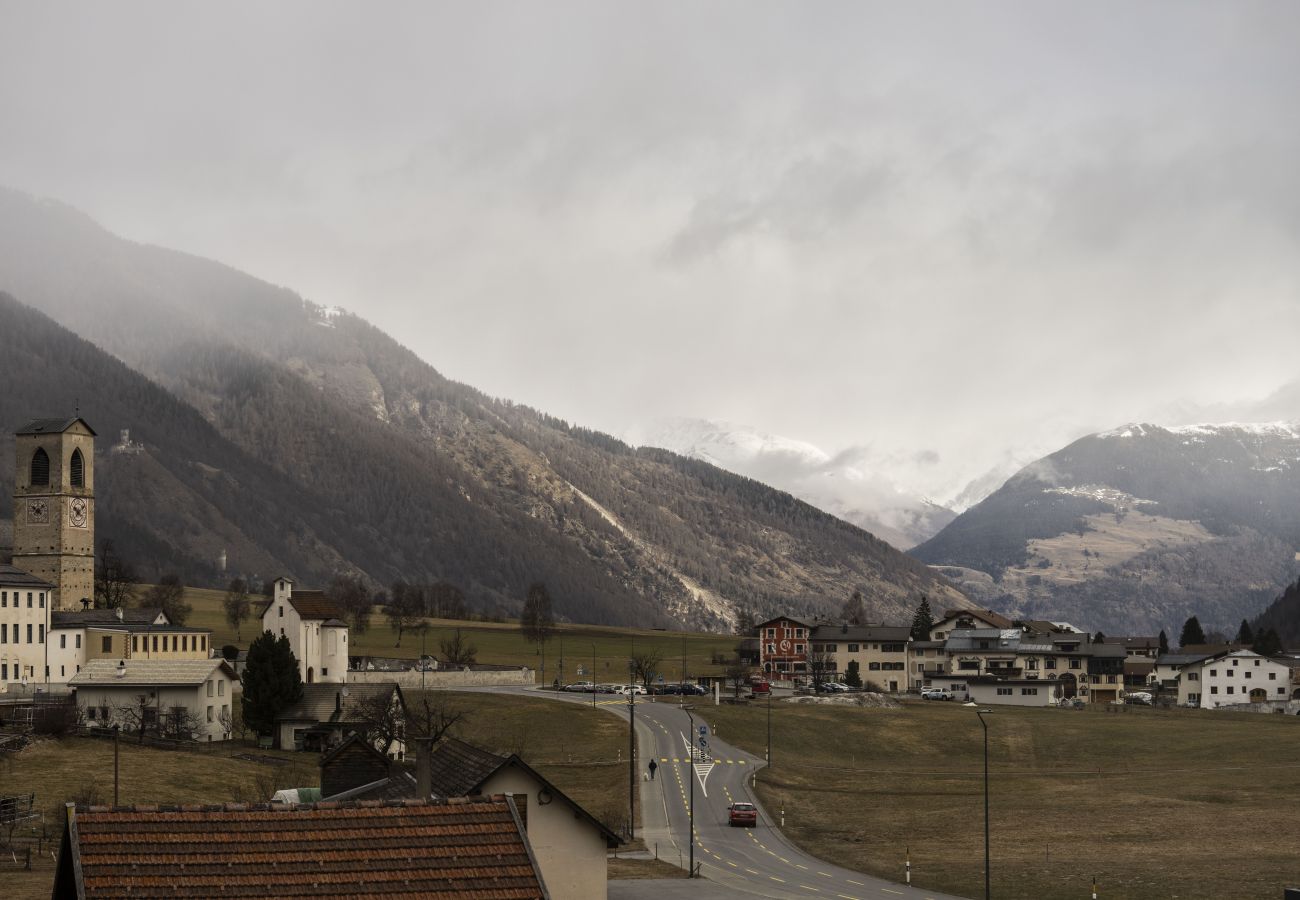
(40, 467)
(78, 469)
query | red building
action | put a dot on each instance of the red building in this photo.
(783, 645)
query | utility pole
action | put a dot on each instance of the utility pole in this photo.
(768, 755)
(593, 676)
(631, 754)
(691, 777)
(116, 730)
(980, 714)
(682, 701)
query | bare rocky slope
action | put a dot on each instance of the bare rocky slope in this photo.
(305, 440)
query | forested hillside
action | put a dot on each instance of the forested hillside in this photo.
(351, 454)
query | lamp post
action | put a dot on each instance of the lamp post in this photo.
(631, 749)
(980, 713)
(593, 676)
(691, 777)
(682, 701)
(768, 755)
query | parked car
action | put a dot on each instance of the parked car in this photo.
(580, 687)
(934, 693)
(758, 687)
(692, 690)
(832, 687)
(607, 688)
(626, 689)
(1139, 698)
(665, 689)
(743, 814)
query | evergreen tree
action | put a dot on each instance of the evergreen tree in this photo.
(271, 682)
(1268, 643)
(1192, 633)
(1164, 642)
(923, 621)
(1099, 638)
(853, 677)
(1244, 634)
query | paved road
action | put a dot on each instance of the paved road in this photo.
(756, 862)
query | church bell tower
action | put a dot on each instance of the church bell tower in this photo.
(54, 507)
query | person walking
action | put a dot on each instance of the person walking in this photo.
(654, 767)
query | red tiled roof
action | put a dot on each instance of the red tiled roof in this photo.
(461, 848)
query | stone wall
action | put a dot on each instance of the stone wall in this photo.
(1289, 707)
(447, 678)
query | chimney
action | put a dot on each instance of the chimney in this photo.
(423, 767)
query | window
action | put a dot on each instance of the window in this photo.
(41, 598)
(203, 643)
(1248, 674)
(1192, 676)
(966, 664)
(771, 648)
(893, 648)
(209, 713)
(107, 644)
(1257, 662)
(1049, 663)
(4, 634)
(4, 598)
(798, 648)
(1214, 689)
(90, 713)
(1272, 676)
(1236, 661)
(1033, 665)
(1004, 692)
(282, 615)
(29, 633)
(324, 671)
(209, 688)
(1214, 673)
(771, 632)
(984, 645)
(1229, 689)
(1282, 691)
(135, 643)
(155, 643)
(798, 632)
(77, 469)
(63, 642)
(873, 667)
(828, 648)
(29, 599)
(1028, 692)
(41, 631)
(40, 467)
(4, 671)
(77, 640)
(221, 685)
(853, 648)
(1074, 664)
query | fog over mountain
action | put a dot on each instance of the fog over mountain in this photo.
(968, 234)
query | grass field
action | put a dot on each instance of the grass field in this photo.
(1154, 804)
(503, 644)
(579, 749)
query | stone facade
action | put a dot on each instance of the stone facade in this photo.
(54, 507)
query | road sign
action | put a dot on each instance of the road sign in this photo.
(661, 678)
(704, 730)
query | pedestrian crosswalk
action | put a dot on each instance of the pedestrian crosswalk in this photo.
(716, 762)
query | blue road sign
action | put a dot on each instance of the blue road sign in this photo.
(704, 729)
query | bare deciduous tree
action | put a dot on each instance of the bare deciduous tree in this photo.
(645, 664)
(457, 649)
(237, 606)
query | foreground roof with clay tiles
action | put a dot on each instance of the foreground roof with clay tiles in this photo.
(462, 848)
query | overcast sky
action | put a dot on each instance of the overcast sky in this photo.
(945, 233)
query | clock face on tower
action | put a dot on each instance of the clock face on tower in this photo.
(77, 512)
(38, 512)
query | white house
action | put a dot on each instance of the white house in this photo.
(1000, 691)
(24, 621)
(316, 631)
(1237, 676)
(127, 691)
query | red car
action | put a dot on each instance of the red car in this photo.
(743, 814)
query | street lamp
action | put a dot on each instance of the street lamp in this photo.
(980, 713)
(767, 757)
(691, 776)
(593, 676)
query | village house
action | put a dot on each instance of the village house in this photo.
(464, 847)
(569, 844)
(879, 650)
(122, 633)
(783, 646)
(315, 627)
(988, 689)
(1233, 677)
(966, 620)
(327, 713)
(188, 699)
(24, 622)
